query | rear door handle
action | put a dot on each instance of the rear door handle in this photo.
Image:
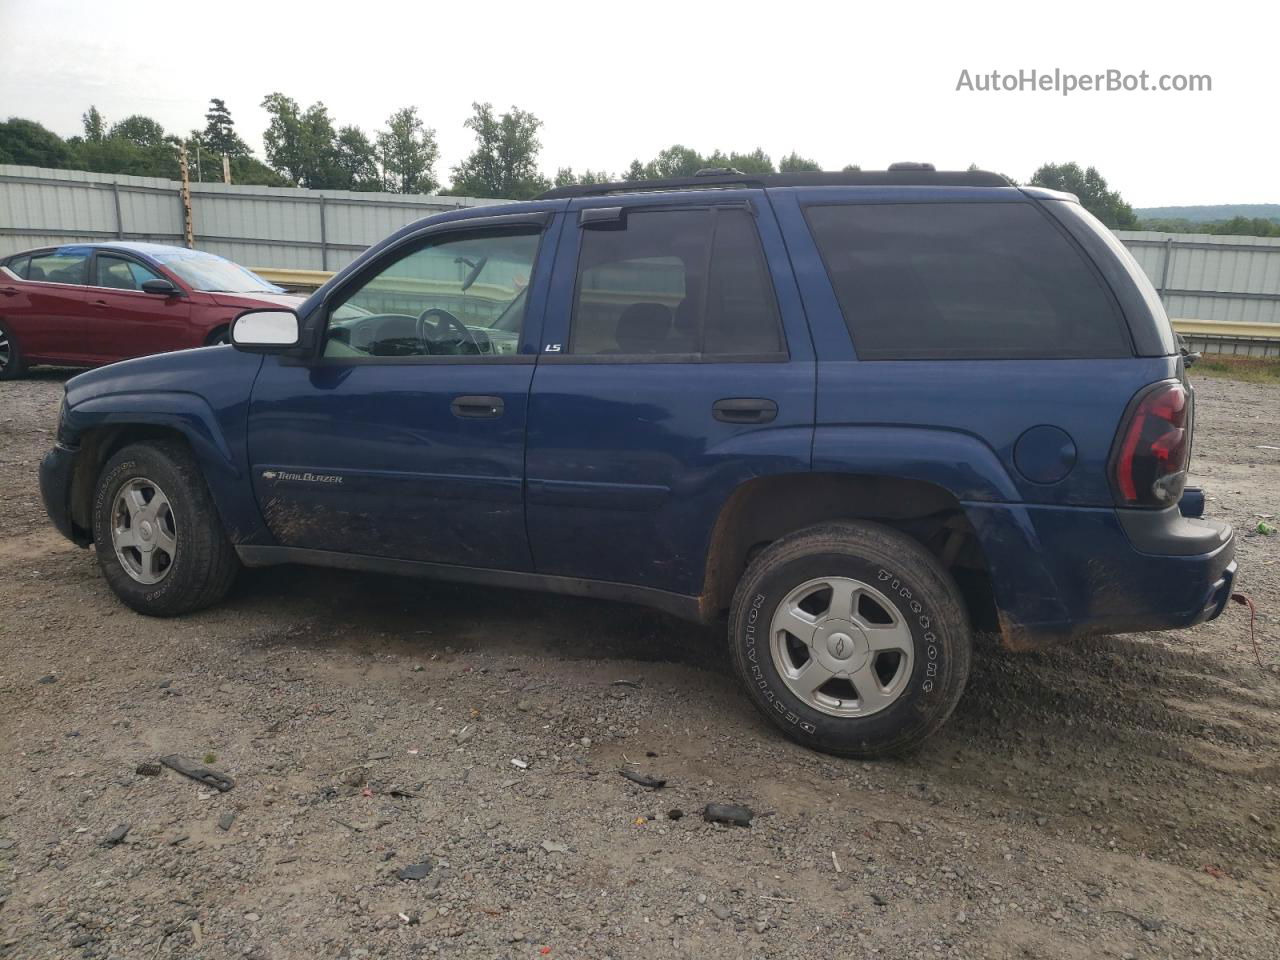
(8, 291)
(745, 410)
(101, 303)
(477, 408)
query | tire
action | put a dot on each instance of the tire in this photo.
(865, 588)
(12, 364)
(181, 560)
(218, 337)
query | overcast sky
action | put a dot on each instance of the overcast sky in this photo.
(840, 82)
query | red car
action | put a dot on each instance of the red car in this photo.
(84, 305)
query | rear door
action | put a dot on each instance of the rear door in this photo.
(126, 322)
(675, 366)
(49, 312)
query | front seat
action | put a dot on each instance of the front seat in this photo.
(643, 328)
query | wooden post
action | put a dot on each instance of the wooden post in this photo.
(226, 169)
(188, 230)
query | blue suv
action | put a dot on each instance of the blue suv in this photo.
(859, 414)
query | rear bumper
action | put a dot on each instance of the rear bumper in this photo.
(1065, 572)
(56, 472)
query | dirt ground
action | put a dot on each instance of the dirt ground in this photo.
(1115, 799)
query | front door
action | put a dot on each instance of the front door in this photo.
(124, 321)
(676, 367)
(404, 437)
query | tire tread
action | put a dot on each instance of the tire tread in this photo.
(881, 544)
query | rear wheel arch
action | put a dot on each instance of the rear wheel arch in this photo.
(766, 509)
(851, 638)
(219, 334)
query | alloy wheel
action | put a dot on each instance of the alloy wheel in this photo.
(842, 647)
(143, 531)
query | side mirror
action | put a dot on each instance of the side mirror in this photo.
(161, 288)
(265, 331)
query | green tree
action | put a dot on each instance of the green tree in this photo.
(794, 163)
(757, 161)
(95, 125)
(850, 168)
(219, 135)
(409, 152)
(675, 161)
(356, 161)
(505, 161)
(635, 172)
(252, 170)
(974, 168)
(118, 155)
(27, 142)
(566, 177)
(137, 146)
(302, 144)
(1091, 188)
(139, 130)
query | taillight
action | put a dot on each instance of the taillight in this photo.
(1149, 467)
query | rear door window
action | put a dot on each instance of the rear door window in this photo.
(18, 266)
(686, 283)
(920, 281)
(58, 266)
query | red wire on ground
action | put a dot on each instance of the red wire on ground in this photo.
(1253, 615)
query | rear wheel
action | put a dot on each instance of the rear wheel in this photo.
(157, 534)
(851, 638)
(12, 365)
(219, 336)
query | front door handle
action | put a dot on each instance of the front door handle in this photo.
(745, 410)
(477, 408)
(101, 303)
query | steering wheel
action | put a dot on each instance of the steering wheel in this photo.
(429, 332)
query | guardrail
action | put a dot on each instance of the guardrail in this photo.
(1230, 337)
(300, 280)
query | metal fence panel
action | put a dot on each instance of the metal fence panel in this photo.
(257, 226)
(1211, 277)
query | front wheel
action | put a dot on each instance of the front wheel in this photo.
(851, 638)
(157, 533)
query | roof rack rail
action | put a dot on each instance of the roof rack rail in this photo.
(898, 175)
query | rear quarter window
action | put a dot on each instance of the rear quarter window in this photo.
(18, 266)
(922, 281)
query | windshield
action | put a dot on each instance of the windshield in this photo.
(204, 271)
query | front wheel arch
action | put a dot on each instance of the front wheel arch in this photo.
(96, 448)
(15, 364)
(201, 564)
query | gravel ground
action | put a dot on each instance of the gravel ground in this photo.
(1113, 799)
